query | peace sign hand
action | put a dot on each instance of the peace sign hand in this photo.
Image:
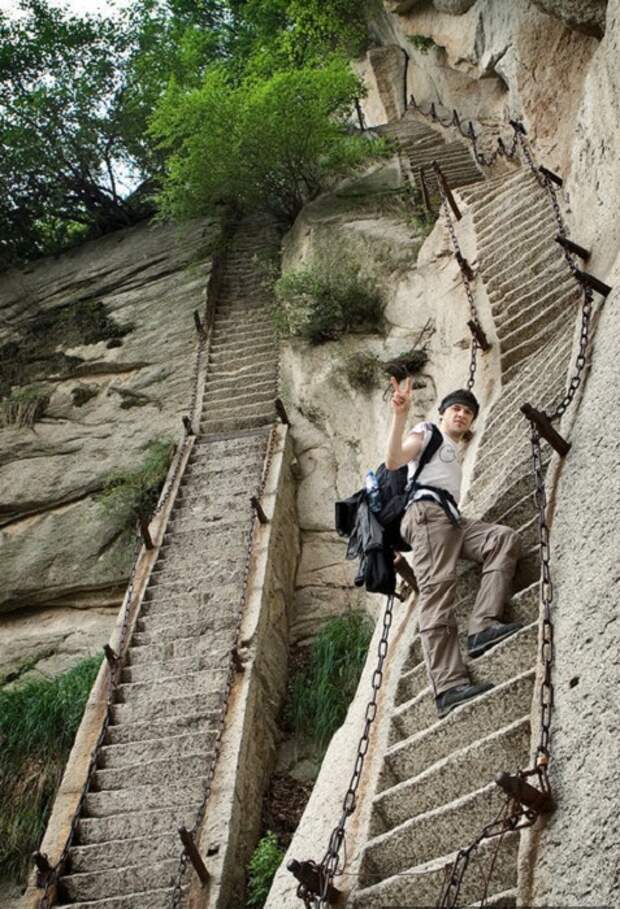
(401, 397)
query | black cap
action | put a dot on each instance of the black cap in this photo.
(460, 396)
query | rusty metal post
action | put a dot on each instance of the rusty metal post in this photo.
(433, 111)
(360, 114)
(543, 424)
(194, 856)
(518, 127)
(281, 411)
(187, 423)
(111, 656)
(309, 875)
(237, 661)
(590, 281)
(551, 176)
(464, 266)
(447, 191)
(44, 869)
(479, 335)
(516, 787)
(426, 199)
(199, 326)
(144, 530)
(258, 508)
(574, 248)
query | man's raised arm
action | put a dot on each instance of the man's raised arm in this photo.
(399, 452)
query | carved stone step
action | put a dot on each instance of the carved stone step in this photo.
(143, 711)
(160, 772)
(144, 798)
(481, 716)
(119, 881)
(451, 778)
(180, 724)
(113, 757)
(117, 853)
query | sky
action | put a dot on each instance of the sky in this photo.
(79, 6)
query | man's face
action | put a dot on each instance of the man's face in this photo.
(457, 419)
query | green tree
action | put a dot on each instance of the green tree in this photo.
(269, 142)
(65, 137)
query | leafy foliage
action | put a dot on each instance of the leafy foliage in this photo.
(321, 693)
(38, 722)
(133, 494)
(326, 298)
(362, 370)
(264, 143)
(264, 863)
(423, 43)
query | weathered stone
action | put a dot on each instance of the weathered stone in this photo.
(586, 16)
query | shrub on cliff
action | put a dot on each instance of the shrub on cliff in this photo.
(132, 495)
(326, 298)
(270, 142)
(38, 722)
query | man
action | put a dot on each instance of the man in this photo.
(439, 536)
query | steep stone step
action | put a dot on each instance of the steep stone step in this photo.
(265, 392)
(119, 881)
(451, 778)
(219, 628)
(422, 885)
(154, 691)
(535, 224)
(240, 346)
(209, 580)
(164, 709)
(215, 658)
(154, 899)
(114, 757)
(117, 853)
(159, 772)
(143, 798)
(548, 300)
(210, 427)
(503, 662)
(426, 836)
(237, 352)
(408, 756)
(181, 724)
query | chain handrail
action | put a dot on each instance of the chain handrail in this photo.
(114, 665)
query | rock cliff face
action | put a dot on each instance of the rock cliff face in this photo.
(107, 330)
(553, 65)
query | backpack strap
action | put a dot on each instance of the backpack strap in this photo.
(434, 444)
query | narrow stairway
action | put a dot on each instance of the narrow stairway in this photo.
(436, 790)
(151, 770)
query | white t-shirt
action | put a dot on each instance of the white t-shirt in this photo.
(443, 470)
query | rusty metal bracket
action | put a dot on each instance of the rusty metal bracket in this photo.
(194, 856)
(145, 532)
(590, 281)
(516, 787)
(426, 199)
(573, 247)
(237, 661)
(112, 658)
(549, 174)
(258, 508)
(44, 870)
(479, 335)
(187, 424)
(199, 326)
(543, 424)
(281, 412)
(309, 874)
(465, 266)
(518, 127)
(447, 191)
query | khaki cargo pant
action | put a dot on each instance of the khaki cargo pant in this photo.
(436, 546)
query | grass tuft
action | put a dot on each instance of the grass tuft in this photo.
(133, 494)
(322, 692)
(24, 406)
(38, 722)
(264, 863)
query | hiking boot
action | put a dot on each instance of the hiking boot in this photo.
(454, 697)
(483, 640)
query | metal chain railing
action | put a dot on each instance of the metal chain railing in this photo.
(330, 865)
(49, 876)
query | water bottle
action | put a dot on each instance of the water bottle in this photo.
(373, 492)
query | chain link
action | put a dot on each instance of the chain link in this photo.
(330, 865)
(473, 357)
(115, 669)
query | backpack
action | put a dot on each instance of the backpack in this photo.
(373, 538)
(395, 490)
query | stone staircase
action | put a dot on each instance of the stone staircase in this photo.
(151, 770)
(436, 789)
(420, 145)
